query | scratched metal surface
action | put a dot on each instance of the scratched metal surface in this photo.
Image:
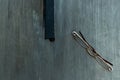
(25, 55)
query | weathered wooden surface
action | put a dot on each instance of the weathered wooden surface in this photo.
(26, 55)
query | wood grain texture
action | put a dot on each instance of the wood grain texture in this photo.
(26, 55)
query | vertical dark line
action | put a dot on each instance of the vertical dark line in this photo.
(49, 19)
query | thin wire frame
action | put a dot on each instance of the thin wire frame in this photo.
(91, 51)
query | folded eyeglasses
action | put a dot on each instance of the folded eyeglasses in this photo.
(91, 51)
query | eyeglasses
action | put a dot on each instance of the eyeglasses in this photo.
(91, 51)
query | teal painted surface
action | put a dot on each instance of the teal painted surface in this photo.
(25, 55)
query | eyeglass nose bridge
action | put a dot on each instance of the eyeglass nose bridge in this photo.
(90, 52)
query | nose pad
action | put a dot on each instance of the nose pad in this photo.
(76, 36)
(90, 52)
(74, 33)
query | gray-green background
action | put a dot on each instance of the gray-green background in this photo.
(26, 55)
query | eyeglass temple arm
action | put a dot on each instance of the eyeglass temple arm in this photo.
(84, 38)
(107, 65)
(105, 60)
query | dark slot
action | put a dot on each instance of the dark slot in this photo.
(49, 19)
